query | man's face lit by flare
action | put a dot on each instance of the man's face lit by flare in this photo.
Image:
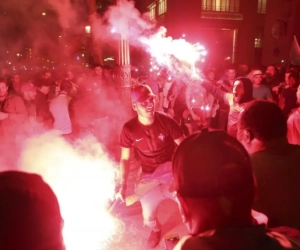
(98, 71)
(211, 76)
(3, 89)
(47, 75)
(145, 109)
(16, 82)
(29, 95)
(238, 91)
(257, 79)
(231, 73)
(271, 71)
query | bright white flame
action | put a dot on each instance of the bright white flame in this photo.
(83, 178)
(163, 48)
(88, 29)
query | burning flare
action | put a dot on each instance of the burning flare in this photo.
(83, 178)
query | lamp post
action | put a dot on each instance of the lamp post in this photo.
(124, 85)
(124, 77)
(87, 43)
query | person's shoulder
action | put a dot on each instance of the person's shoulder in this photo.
(295, 113)
(131, 123)
(196, 242)
(14, 97)
(163, 117)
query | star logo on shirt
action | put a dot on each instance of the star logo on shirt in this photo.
(161, 136)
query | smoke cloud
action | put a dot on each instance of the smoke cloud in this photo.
(125, 21)
(83, 178)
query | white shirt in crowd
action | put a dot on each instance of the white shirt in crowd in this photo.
(166, 88)
(293, 124)
(59, 108)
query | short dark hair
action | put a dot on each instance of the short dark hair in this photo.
(43, 82)
(2, 79)
(96, 65)
(294, 75)
(231, 66)
(107, 67)
(264, 120)
(212, 165)
(26, 200)
(65, 85)
(248, 89)
(275, 68)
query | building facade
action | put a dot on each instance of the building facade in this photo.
(254, 32)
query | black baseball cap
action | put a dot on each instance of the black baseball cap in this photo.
(141, 93)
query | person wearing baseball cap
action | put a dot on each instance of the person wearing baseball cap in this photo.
(215, 189)
(30, 217)
(28, 92)
(153, 136)
(260, 91)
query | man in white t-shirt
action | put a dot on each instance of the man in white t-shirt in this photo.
(59, 108)
(293, 123)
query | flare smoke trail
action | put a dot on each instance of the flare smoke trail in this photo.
(83, 178)
(126, 21)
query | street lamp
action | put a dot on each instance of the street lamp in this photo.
(88, 29)
(87, 43)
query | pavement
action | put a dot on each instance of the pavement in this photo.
(133, 235)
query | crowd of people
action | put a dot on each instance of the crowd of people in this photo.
(71, 103)
(237, 127)
(227, 150)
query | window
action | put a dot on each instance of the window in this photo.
(221, 5)
(259, 38)
(261, 6)
(162, 7)
(152, 10)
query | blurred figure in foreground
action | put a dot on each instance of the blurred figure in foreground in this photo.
(262, 129)
(294, 123)
(30, 216)
(215, 196)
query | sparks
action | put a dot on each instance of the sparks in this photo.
(163, 48)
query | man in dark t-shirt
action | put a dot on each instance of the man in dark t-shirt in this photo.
(288, 97)
(153, 136)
